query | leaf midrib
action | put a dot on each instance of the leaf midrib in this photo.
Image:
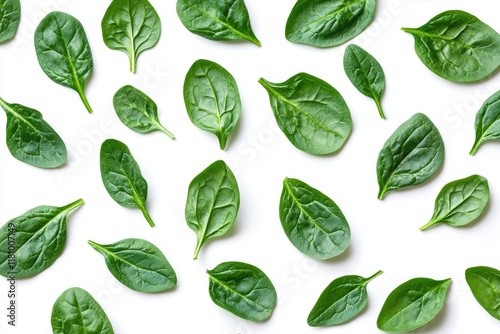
(228, 288)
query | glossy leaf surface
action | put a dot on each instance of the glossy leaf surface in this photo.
(487, 124)
(10, 16)
(484, 283)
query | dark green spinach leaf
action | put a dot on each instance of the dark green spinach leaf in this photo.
(310, 112)
(243, 290)
(10, 16)
(487, 123)
(63, 52)
(413, 153)
(40, 236)
(484, 282)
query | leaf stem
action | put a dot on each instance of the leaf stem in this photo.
(429, 224)
(474, 148)
(199, 243)
(132, 61)
(84, 100)
(379, 107)
(165, 131)
(378, 273)
(74, 205)
(381, 193)
(147, 216)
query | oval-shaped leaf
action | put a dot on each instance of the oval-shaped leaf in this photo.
(313, 223)
(343, 299)
(212, 203)
(457, 46)
(122, 177)
(487, 124)
(413, 153)
(365, 73)
(484, 282)
(326, 23)
(310, 112)
(31, 139)
(138, 264)
(243, 290)
(212, 99)
(137, 111)
(412, 305)
(131, 26)
(36, 239)
(10, 16)
(63, 52)
(218, 20)
(77, 312)
(460, 202)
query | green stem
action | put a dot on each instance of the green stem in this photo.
(474, 148)
(73, 205)
(429, 224)
(379, 107)
(381, 193)
(378, 273)
(199, 243)
(84, 100)
(165, 131)
(147, 216)
(132, 61)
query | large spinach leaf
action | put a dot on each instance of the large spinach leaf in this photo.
(484, 282)
(10, 16)
(487, 124)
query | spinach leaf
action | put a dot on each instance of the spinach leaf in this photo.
(365, 73)
(77, 312)
(413, 153)
(343, 299)
(138, 264)
(31, 139)
(40, 235)
(412, 304)
(137, 111)
(243, 290)
(312, 221)
(218, 20)
(484, 282)
(131, 26)
(326, 23)
(310, 112)
(487, 123)
(212, 203)
(457, 46)
(460, 202)
(10, 16)
(212, 99)
(63, 52)
(122, 177)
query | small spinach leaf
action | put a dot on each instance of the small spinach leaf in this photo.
(40, 238)
(457, 46)
(412, 304)
(10, 16)
(212, 203)
(343, 299)
(131, 26)
(218, 20)
(313, 222)
(484, 282)
(326, 23)
(365, 73)
(310, 112)
(243, 290)
(63, 52)
(413, 153)
(138, 264)
(122, 177)
(31, 139)
(212, 99)
(137, 111)
(460, 202)
(487, 124)
(76, 311)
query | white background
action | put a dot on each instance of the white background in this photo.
(385, 233)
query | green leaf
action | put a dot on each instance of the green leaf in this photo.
(31, 139)
(212, 203)
(243, 290)
(212, 99)
(131, 26)
(122, 177)
(487, 123)
(460, 202)
(10, 16)
(343, 299)
(310, 112)
(413, 153)
(365, 73)
(457, 46)
(312, 221)
(138, 264)
(412, 305)
(326, 23)
(137, 111)
(218, 20)
(63, 52)
(484, 282)
(77, 312)
(40, 236)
